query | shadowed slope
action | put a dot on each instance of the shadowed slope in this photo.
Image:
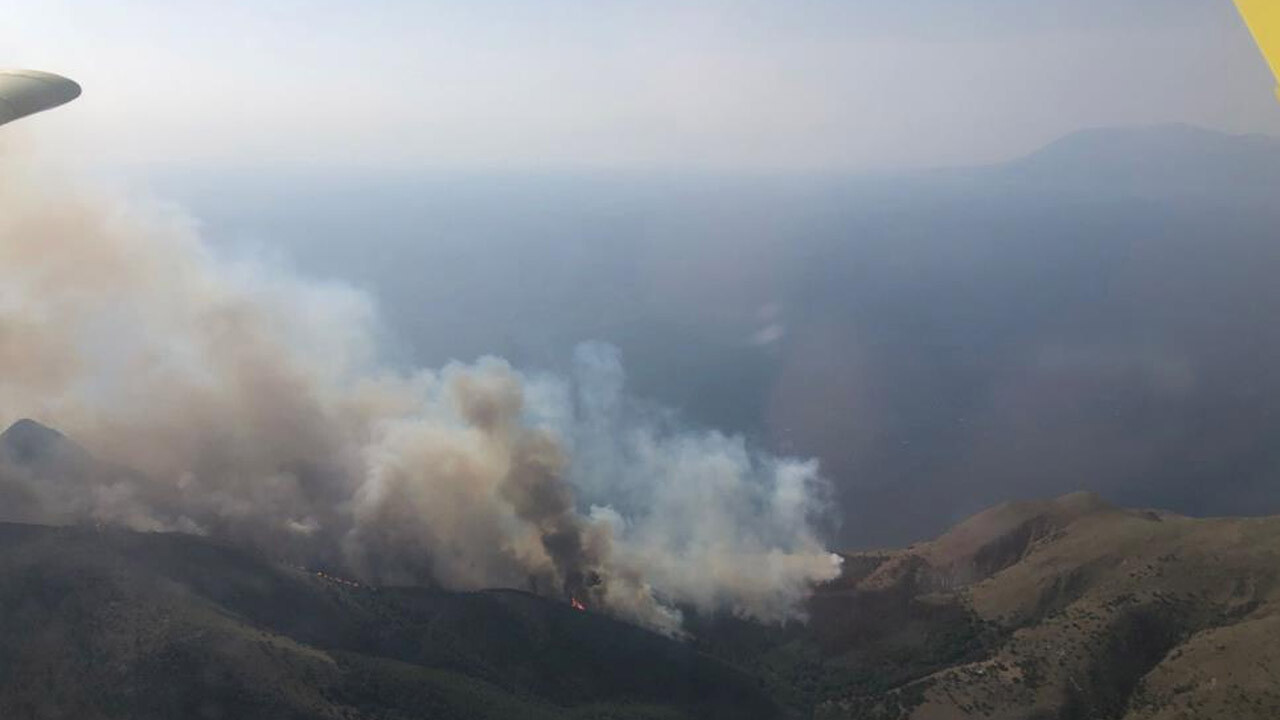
(136, 625)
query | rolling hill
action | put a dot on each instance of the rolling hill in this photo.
(103, 623)
(1070, 609)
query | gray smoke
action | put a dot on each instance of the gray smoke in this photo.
(233, 399)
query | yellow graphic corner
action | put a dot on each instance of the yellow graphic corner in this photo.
(1263, 19)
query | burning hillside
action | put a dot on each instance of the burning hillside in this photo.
(228, 398)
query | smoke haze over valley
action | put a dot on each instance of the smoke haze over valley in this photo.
(227, 398)
(662, 360)
(1097, 315)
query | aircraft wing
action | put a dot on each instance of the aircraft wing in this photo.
(1263, 19)
(26, 92)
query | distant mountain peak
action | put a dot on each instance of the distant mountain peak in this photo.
(26, 440)
(1156, 156)
(1167, 140)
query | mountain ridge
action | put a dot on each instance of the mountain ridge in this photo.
(1068, 608)
(1151, 160)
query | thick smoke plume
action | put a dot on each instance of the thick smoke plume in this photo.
(232, 399)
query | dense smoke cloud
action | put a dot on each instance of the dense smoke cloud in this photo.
(232, 399)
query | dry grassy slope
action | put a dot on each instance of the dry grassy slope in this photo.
(1066, 609)
(103, 623)
(1103, 612)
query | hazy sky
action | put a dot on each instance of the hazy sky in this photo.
(628, 84)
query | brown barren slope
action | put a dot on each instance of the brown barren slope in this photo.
(1091, 612)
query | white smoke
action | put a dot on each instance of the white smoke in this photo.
(233, 399)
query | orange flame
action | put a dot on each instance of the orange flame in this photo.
(577, 605)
